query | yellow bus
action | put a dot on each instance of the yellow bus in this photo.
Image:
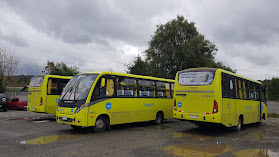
(215, 96)
(101, 99)
(44, 92)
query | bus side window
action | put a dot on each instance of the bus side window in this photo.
(252, 90)
(236, 88)
(232, 88)
(126, 87)
(240, 89)
(163, 89)
(225, 86)
(109, 87)
(172, 89)
(146, 88)
(52, 87)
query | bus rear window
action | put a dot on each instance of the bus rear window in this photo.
(36, 81)
(196, 78)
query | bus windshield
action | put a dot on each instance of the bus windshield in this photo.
(196, 78)
(36, 81)
(78, 87)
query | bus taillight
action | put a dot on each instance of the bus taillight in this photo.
(174, 105)
(41, 103)
(215, 107)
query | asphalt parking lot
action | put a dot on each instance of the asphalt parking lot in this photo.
(25, 133)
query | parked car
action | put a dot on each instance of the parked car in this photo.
(4, 102)
(18, 103)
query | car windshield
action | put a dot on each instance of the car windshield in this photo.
(196, 78)
(36, 81)
(78, 87)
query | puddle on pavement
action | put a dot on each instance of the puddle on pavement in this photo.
(54, 138)
(255, 153)
(259, 136)
(193, 150)
(194, 137)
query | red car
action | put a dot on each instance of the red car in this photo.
(18, 103)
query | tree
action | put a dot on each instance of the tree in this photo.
(177, 45)
(8, 64)
(273, 89)
(138, 67)
(60, 69)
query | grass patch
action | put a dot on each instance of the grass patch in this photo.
(273, 115)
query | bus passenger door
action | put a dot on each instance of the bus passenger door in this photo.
(53, 94)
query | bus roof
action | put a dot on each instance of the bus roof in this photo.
(54, 76)
(128, 75)
(215, 69)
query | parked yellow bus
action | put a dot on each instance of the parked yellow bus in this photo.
(215, 96)
(101, 99)
(44, 92)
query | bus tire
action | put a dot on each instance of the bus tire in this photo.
(100, 124)
(76, 127)
(159, 118)
(239, 124)
(4, 109)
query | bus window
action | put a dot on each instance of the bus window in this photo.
(240, 87)
(232, 88)
(110, 87)
(36, 81)
(163, 89)
(236, 88)
(104, 88)
(52, 87)
(172, 89)
(225, 87)
(252, 90)
(247, 89)
(146, 88)
(126, 87)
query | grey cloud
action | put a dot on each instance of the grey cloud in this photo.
(77, 22)
(241, 21)
(13, 38)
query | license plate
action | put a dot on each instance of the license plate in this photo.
(64, 118)
(32, 108)
(193, 116)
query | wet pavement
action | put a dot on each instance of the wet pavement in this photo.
(24, 133)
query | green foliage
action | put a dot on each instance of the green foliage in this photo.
(273, 115)
(177, 45)
(139, 66)
(19, 81)
(60, 69)
(2, 86)
(273, 89)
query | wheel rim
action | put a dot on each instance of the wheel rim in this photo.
(100, 123)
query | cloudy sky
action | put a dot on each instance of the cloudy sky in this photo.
(100, 35)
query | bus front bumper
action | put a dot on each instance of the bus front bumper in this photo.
(78, 119)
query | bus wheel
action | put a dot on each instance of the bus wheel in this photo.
(159, 118)
(100, 124)
(4, 109)
(239, 125)
(76, 127)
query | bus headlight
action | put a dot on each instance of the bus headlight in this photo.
(81, 107)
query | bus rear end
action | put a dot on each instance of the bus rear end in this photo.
(196, 97)
(35, 95)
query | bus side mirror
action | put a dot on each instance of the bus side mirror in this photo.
(103, 83)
